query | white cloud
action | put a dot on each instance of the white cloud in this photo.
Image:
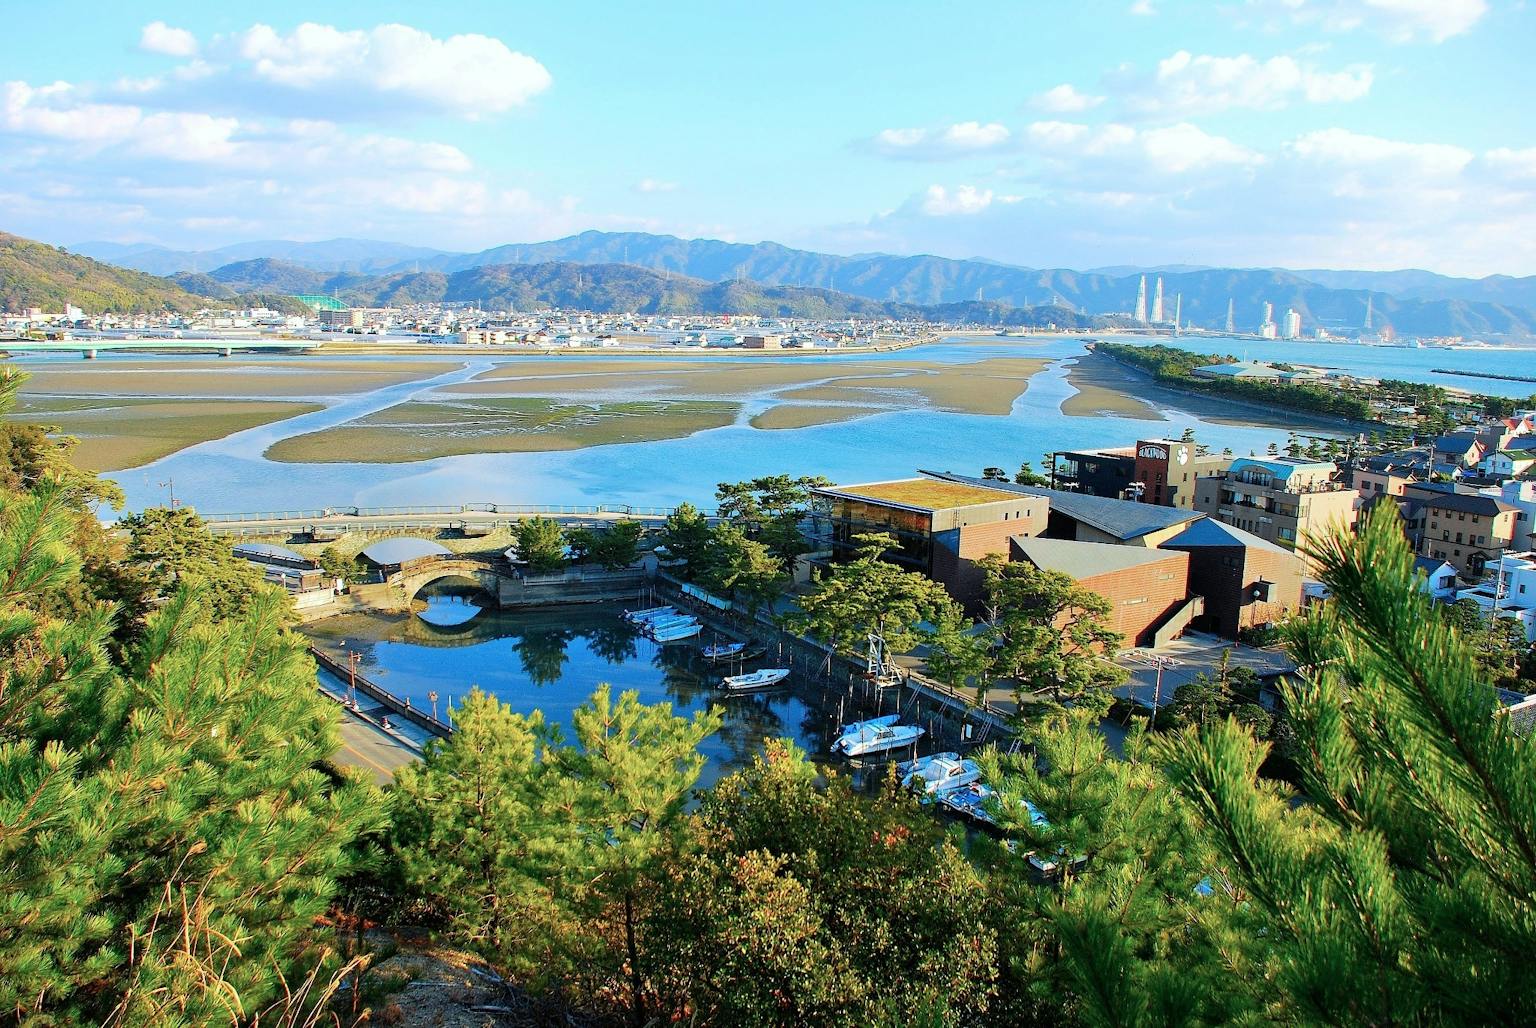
(1065, 99)
(1401, 21)
(1122, 149)
(1143, 8)
(958, 140)
(1186, 84)
(939, 202)
(467, 75)
(1086, 196)
(160, 38)
(655, 185)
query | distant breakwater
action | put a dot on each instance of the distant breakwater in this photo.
(1484, 374)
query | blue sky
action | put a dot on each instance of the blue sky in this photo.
(1298, 133)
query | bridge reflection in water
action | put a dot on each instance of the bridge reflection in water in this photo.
(552, 658)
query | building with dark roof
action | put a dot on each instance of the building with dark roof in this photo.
(1094, 519)
(1468, 529)
(1147, 590)
(1245, 580)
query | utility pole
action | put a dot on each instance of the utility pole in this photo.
(1161, 663)
(353, 659)
(170, 484)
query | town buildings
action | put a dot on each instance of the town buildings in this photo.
(1283, 500)
(1160, 471)
(1163, 569)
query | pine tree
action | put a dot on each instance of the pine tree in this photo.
(1405, 890)
(868, 595)
(168, 828)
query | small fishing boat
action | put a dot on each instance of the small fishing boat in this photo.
(724, 651)
(662, 624)
(868, 737)
(767, 677)
(648, 613)
(940, 773)
(677, 633)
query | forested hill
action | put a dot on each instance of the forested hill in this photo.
(609, 288)
(1413, 303)
(34, 274)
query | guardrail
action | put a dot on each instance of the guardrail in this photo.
(396, 705)
(529, 509)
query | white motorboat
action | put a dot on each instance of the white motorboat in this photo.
(883, 721)
(940, 773)
(970, 801)
(906, 767)
(858, 741)
(677, 633)
(768, 676)
(648, 613)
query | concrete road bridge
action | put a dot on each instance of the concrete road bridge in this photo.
(89, 348)
(325, 523)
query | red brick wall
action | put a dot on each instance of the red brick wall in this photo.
(955, 552)
(1141, 597)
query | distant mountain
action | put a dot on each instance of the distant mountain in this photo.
(34, 274)
(1426, 285)
(622, 288)
(1412, 302)
(353, 255)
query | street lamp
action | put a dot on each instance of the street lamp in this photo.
(432, 698)
(1161, 663)
(353, 659)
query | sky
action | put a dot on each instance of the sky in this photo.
(1371, 134)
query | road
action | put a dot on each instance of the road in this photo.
(371, 749)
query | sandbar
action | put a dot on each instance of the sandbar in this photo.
(279, 377)
(115, 434)
(426, 430)
(806, 415)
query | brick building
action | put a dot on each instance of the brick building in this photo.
(942, 528)
(1245, 581)
(1148, 590)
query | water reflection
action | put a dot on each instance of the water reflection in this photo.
(449, 606)
(552, 659)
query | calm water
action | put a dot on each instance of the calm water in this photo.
(551, 660)
(232, 475)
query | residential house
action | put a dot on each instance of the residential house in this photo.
(1467, 529)
(1282, 500)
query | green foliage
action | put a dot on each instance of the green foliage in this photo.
(796, 904)
(686, 538)
(336, 564)
(167, 837)
(539, 852)
(613, 548)
(769, 509)
(868, 595)
(741, 568)
(1403, 891)
(540, 544)
(174, 548)
(1027, 475)
(1052, 637)
(1503, 655)
(35, 274)
(1136, 942)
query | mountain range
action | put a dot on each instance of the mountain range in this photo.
(34, 274)
(1413, 302)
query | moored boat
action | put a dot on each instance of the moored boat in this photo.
(767, 677)
(648, 613)
(677, 633)
(724, 651)
(941, 773)
(867, 738)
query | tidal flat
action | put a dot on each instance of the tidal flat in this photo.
(231, 377)
(119, 433)
(429, 429)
